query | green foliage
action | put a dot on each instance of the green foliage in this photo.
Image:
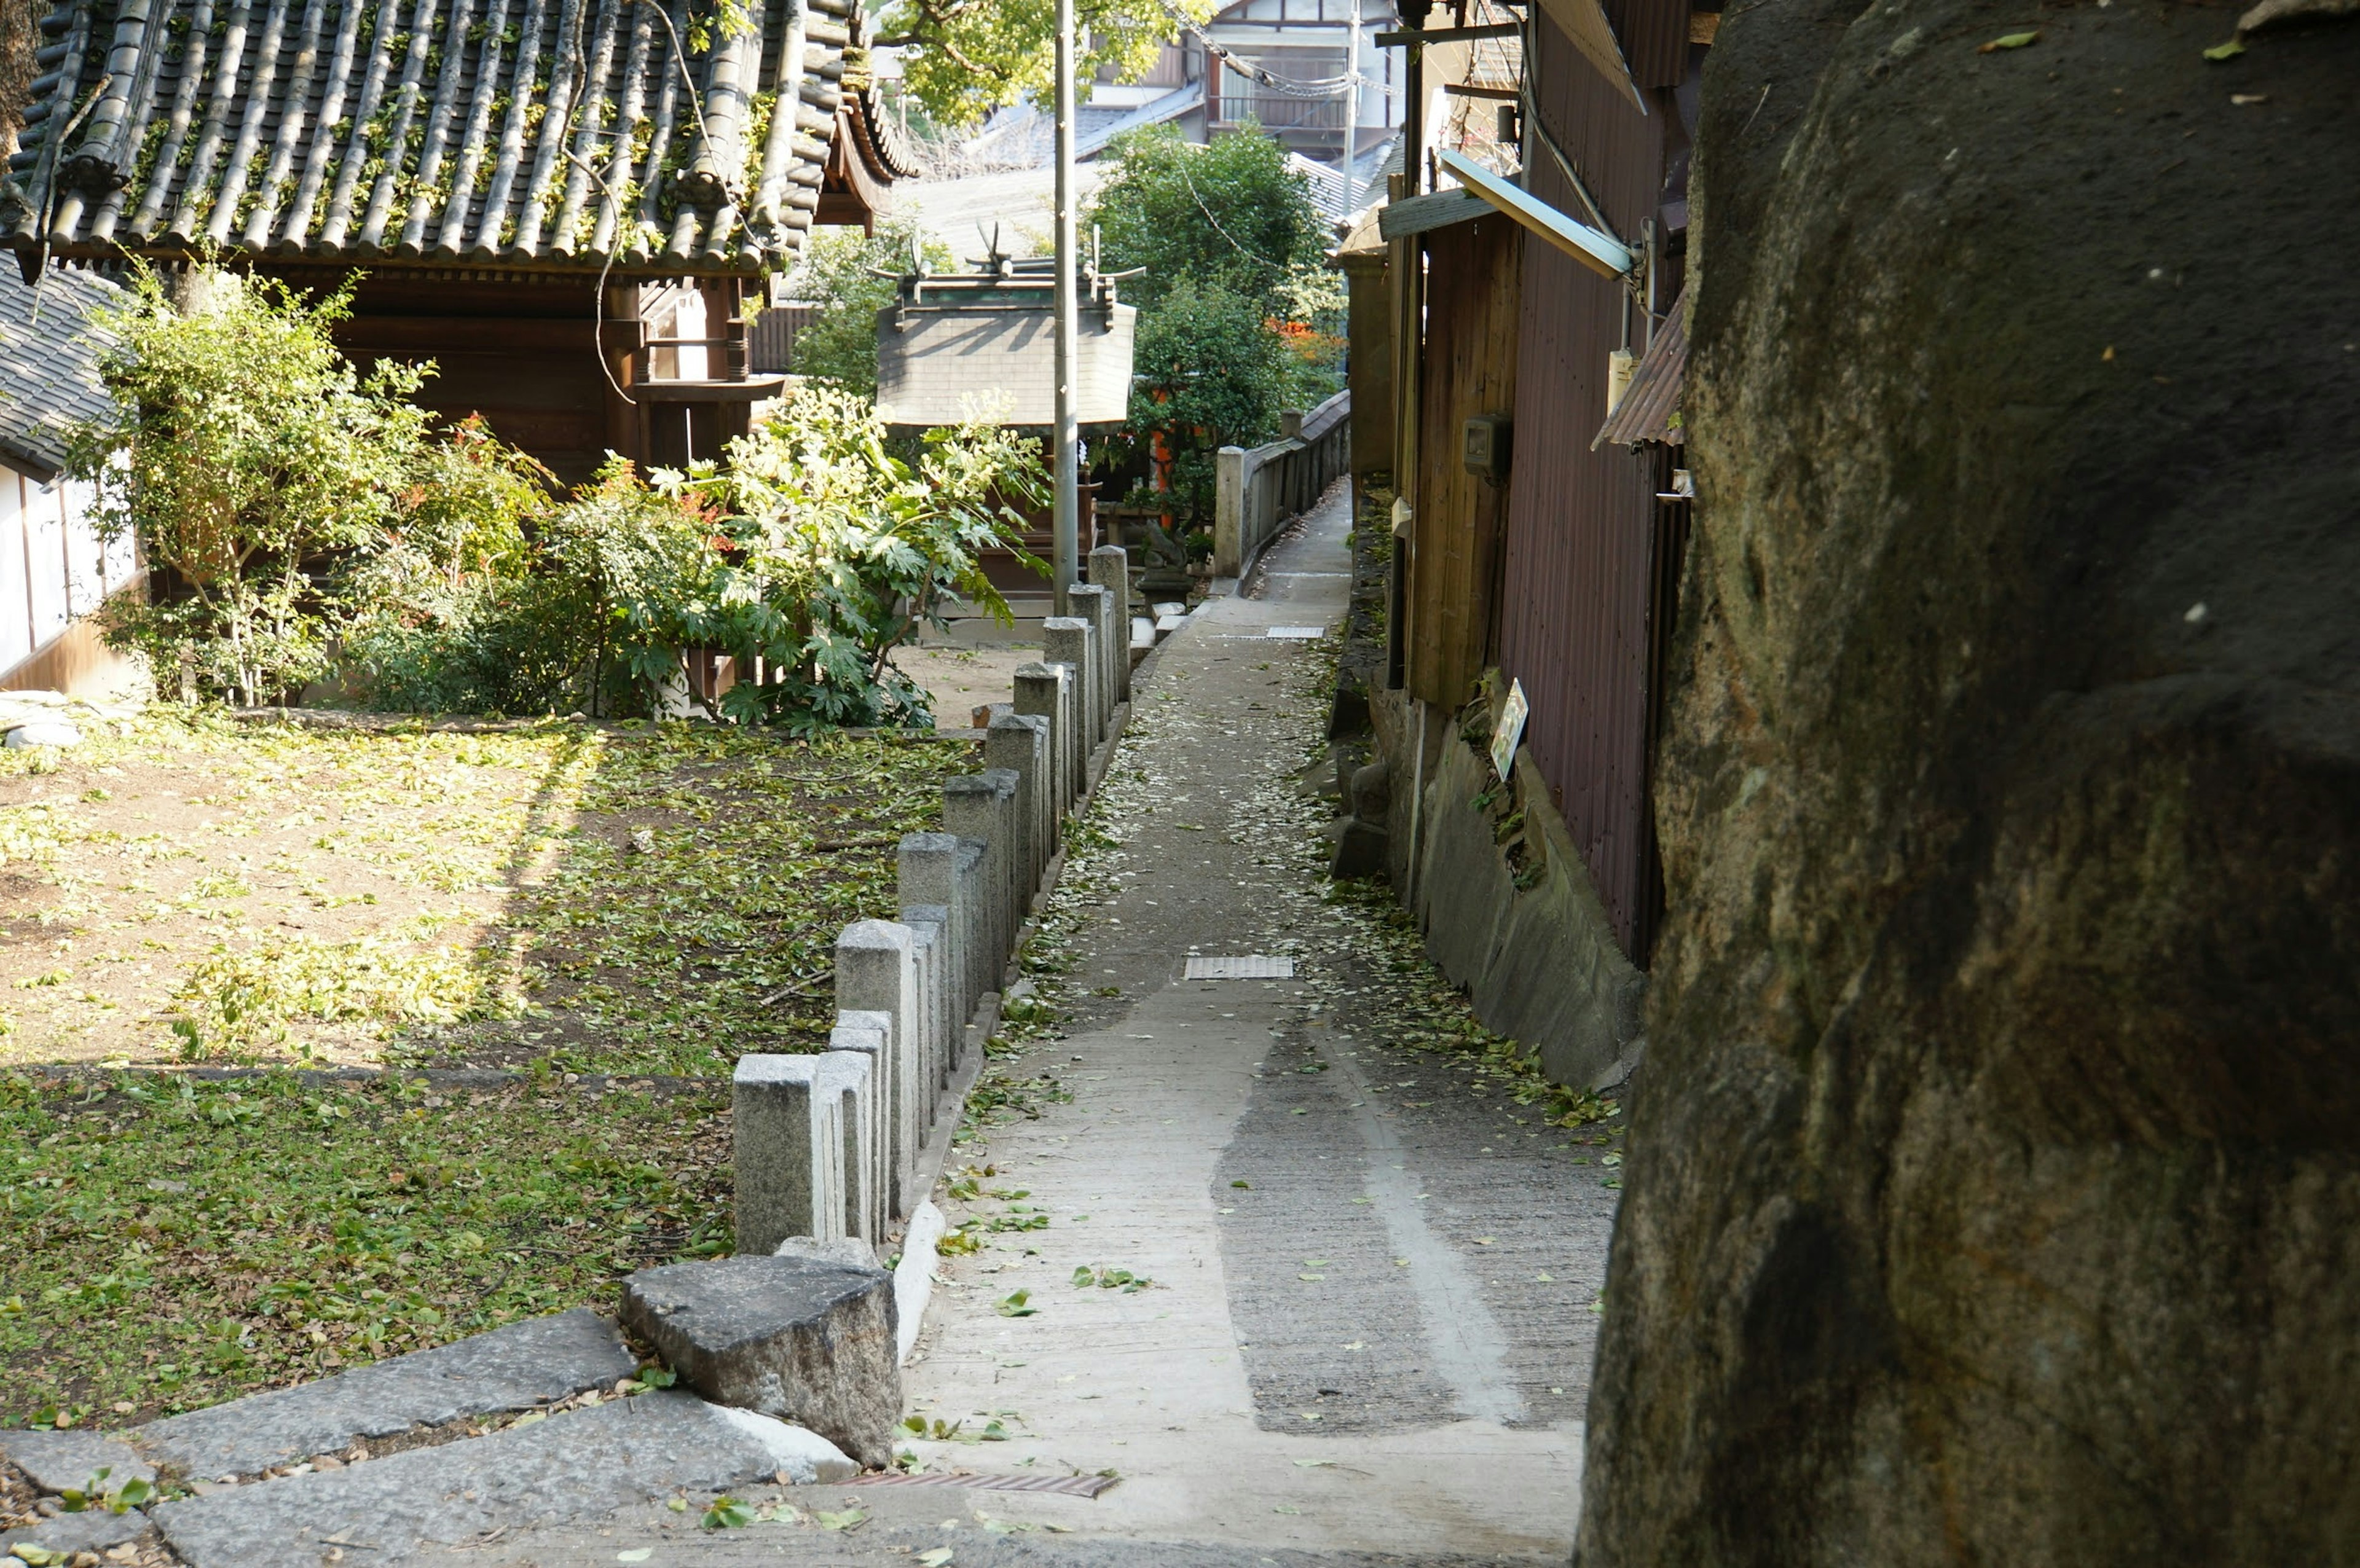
(1208, 373)
(839, 274)
(832, 551)
(962, 61)
(173, 1243)
(1230, 216)
(246, 456)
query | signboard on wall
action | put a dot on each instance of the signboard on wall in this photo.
(1509, 732)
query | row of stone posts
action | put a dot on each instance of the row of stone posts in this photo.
(832, 1146)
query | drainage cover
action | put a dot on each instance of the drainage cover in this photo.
(1065, 1486)
(1251, 967)
(1297, 634)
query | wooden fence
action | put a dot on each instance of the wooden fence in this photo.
(1257, 493)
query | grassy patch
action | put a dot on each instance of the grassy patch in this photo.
(635, 899)
(171, 1242)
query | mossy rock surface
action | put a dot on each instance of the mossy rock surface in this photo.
(1993, 1188)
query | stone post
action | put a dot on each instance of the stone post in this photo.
(929, 879)
(974, 891)
(876, 971)
(1111, 570)
(1066, 639)
(929, 924)
(1228, 510)
(863, 1035)
(787, 1133)
(1094, 604)
(1042, 690)
(983, 806)
(1020, 743)
(851, 1075)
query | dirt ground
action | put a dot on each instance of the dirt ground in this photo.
(645, 898)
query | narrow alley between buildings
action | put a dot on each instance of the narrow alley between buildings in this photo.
(1287, 1259)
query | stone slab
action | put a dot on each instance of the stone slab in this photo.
(512, 1368)
(54, 1461)
(576, 1466)
(807, 1342)
(92, 1530)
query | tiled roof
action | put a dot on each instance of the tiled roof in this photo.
(48, 365)
(532, 135)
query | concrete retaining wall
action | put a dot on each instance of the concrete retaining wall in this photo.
(1540, 963)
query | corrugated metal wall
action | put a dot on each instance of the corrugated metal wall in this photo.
(1574, 617)
(1655, 39)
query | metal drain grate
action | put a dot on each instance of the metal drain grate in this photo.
(1251, 967)
(1297, 634)
(1064, 1486)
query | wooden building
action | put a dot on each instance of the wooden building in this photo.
(571, 206)
(1534, 248)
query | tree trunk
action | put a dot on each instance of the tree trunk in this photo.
(1993, 1194)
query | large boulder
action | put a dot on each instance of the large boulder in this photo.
(1993, 1193)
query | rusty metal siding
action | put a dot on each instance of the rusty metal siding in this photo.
(1655, 39)
(1576, 610)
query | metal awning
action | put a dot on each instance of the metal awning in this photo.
(1602, 254)
(1650, 409)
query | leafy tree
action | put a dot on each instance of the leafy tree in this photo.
(246, 456)
(1230, 216)
(1208, 373)
(839, 274)
(963, 59)
(833, 551)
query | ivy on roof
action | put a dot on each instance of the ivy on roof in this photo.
(529, 135)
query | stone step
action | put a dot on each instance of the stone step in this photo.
(576, 1466)
(794, 1337)
(536, 1362)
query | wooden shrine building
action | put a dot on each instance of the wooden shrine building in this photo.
(529, 187)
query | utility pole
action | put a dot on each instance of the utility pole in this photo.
(1068, 436)
(1352, 112)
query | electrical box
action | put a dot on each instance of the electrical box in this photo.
(1487, 442)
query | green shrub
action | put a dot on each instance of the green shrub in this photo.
(248, 457)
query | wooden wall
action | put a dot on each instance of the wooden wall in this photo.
(1370, 371)
(1473, 285)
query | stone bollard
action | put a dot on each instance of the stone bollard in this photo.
(1094, 604)
(1066, 639)
(983, 807)
(851, 1075)
(929, 879)
(870, 1182)
(1045, 690)
(974, 863)
(787, 1135)
(1111, 570)
(876, 971)
(1020, 743)
(930, 926)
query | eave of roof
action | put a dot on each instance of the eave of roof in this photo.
(559, 135)
(49, 351)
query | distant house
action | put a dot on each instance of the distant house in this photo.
(1275, 64)
(54, 571)
(569, 207)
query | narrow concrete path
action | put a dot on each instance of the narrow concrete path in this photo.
(1368, 1333)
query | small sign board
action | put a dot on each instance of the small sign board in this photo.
(1509, 733)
